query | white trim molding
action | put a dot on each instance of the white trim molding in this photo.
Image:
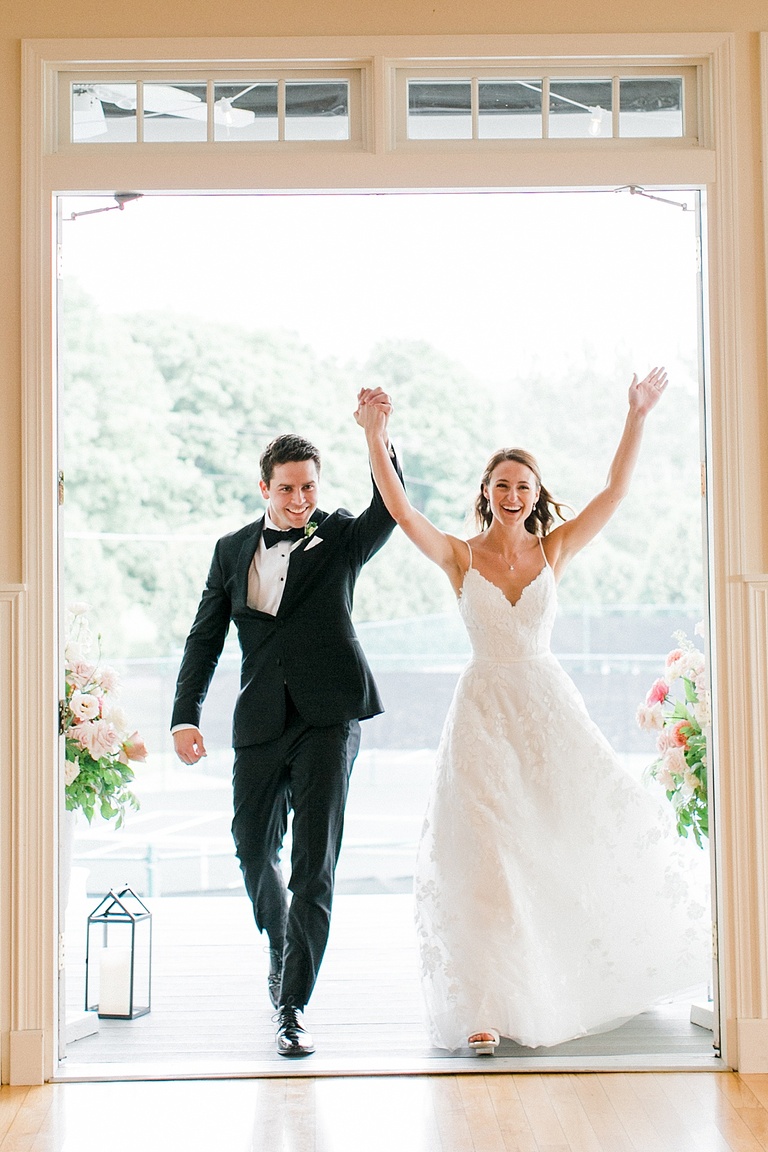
(736, 409)
(21, 1004)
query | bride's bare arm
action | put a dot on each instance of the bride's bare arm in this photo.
(448, 552)
(569, 538)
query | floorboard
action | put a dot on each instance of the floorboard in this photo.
(210, 1014)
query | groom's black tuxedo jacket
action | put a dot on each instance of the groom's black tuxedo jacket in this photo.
(310, 646)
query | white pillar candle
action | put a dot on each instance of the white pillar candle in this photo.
(115, 982)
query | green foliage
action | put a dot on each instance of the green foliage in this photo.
(165, 418)
(99, 787)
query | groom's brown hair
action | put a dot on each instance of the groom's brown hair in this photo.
(286, 449)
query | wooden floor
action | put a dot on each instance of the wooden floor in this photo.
(211, 1017)
(619, 1112)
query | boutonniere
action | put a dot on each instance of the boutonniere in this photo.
(309, 529)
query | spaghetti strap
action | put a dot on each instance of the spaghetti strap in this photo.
(541, 545)
(469, 549)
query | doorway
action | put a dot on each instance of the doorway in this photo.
(514, 306)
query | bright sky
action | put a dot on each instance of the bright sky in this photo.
(498, 281)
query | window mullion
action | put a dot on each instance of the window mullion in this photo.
(281, 109)
(475, 108)
(139, 111)
(615, 105)
(545, 108)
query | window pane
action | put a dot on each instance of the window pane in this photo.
(580, 108)
(245, 112)
(175, 112)
(317, 110)
(509, 109)
(103, 113)
(651, 107)
(439, 110)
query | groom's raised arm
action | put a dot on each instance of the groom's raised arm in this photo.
(373, 527)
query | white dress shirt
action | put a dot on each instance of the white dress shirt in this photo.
(268, 572)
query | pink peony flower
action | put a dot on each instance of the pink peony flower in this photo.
(658, 692)
(665, 741)
(133, 748)
(674, 656)
(80, 673)
(107, 678)
(675, 762)
(97, 737)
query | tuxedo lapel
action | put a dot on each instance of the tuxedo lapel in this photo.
(247, 549)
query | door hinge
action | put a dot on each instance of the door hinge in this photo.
(61, 488)
(62, 963)
(62, 717)
(703, 480)
(714, 941)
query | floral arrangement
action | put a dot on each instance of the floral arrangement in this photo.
(99, 745)
(677, 707)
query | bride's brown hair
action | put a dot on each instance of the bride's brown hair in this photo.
(542, 516)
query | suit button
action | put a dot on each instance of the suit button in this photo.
(279, 662)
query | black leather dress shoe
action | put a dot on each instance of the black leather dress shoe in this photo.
(292, 1038)
(275, 977)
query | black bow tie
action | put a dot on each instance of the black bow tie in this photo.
(273, 536)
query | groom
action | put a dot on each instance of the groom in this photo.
(287, 581)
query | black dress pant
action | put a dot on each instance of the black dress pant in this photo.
(306, 769)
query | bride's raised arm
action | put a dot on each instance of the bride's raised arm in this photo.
(569, 538)
(448, 552)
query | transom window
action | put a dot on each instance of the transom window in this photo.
(528, 106)
(171, 110)
(485, 104)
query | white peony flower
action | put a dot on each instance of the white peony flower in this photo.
(664, 778)
(117, 717)
(107, 678)
(84, 705)
(79, 608)
(650, 717)
(71, 771)
(702, 712)
(73, 653)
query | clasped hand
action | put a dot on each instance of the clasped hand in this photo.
(374, 407)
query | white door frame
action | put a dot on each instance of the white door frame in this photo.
(29, 626)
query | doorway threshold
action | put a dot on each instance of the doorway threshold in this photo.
(211, 1018)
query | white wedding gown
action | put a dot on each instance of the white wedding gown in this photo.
(553, 896)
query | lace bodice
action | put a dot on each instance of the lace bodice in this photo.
(501, 631)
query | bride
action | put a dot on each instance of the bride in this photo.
(551, 890)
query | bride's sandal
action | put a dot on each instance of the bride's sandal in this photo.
(484, 1043)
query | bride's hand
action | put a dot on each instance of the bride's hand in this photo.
(373, 410)
(645, 394)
